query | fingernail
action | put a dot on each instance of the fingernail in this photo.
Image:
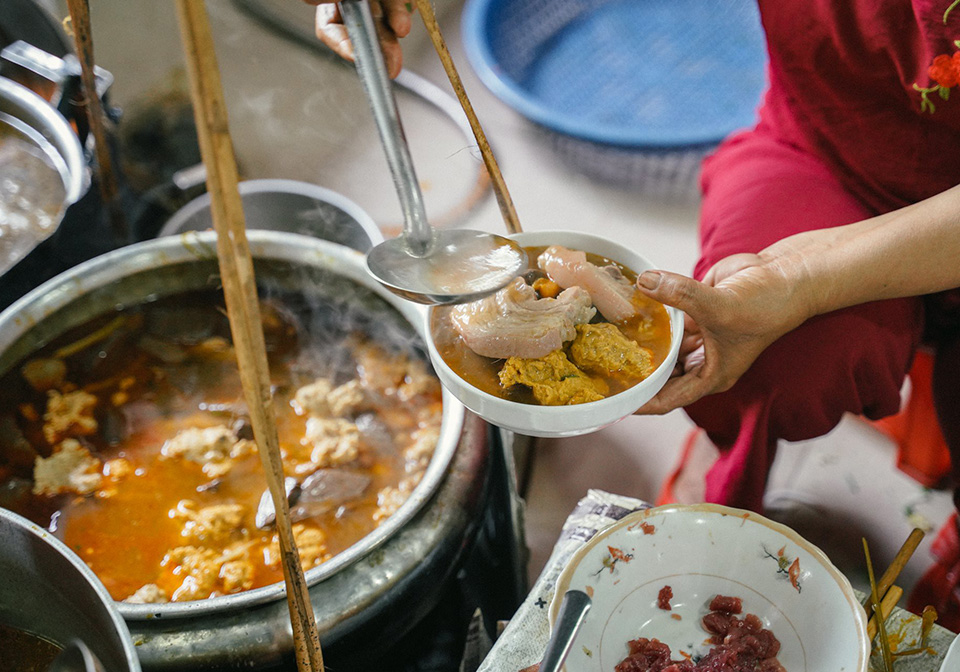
(649, 280)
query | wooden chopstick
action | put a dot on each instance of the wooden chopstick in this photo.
(889, 601)
(83, 41)
(893, 571)
(243, 308)
(507, 209)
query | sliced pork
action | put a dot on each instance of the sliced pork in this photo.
(515, 323)
(612, 294)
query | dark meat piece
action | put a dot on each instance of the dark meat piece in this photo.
(321, 491)
(728, 605)
(515, 323)
(738, 646)
(664, 597)
(650, 655)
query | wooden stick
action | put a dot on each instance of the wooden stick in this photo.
(499, 186)
(889, 601)
(243, 308)
(83, 40)
(893, 571)
(875, 598)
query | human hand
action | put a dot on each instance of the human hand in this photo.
(393, 19)
(745, 303)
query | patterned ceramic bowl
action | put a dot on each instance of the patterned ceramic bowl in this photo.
(702, 551)
(558, 421)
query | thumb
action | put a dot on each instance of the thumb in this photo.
(675, 290)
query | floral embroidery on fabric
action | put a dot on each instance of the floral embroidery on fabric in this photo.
(944, 71)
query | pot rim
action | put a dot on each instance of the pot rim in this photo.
(58, 292)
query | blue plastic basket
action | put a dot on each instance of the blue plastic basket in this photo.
(633, 91)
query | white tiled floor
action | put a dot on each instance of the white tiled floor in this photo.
(299, 116)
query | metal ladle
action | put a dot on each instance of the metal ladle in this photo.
(76, 657)
(573, 609)
(423, 264)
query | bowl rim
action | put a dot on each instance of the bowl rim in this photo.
(476, 45)
(599, 408)
(566, 575)
(190, 246)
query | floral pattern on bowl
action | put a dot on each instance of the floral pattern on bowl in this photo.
(701, 551)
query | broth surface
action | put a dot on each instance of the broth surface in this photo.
(21, 651)
(163, 367)
(650, 328)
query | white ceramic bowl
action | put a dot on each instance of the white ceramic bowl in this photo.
(701, 551)
(558, 421)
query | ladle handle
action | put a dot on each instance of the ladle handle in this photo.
(573, 609)
(373, 75)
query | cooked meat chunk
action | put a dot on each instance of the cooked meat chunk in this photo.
(554, 380)
(211, 447)
(206, 571)
(602, 348)
(417, 380)
(312, 399)
(612, 294)
(117, 468)
(44, 374)
(417, 455)
(69, 414)
(311, 543)
(390, 498)
(334, 442)
(71, 468)
(200, 569)
(321, 400)
(213, 525)
(236, 575)
(348, 400)
(380, 371)
(515, 323)
(151, 593)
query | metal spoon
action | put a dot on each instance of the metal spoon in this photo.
(76, 657)
(423, 264)
(573, 609)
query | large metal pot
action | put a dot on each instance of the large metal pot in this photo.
(402, 563)
(47, 590)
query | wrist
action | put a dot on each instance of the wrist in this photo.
(803, 261)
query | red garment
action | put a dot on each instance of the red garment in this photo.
(843, 135)
(842, 76)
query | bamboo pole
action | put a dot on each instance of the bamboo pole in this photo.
(243, 308)
(507, 210)
(83, 41)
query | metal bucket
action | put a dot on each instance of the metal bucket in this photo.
(48, 591)
(381, 583)
(31, 118)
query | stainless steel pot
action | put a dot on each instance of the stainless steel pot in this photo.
(401, 561)
(288, 205)
(47, 590)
